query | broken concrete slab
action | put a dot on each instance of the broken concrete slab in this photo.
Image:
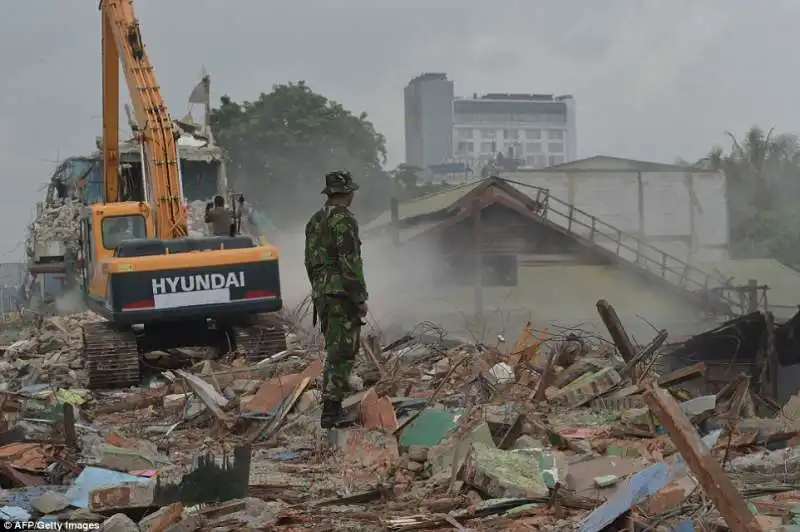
(442, 457)
(586, 386)
(145, 447)
(121, 459)
(187, 524)
(527, 442)
(50, 502)
(122, 497)
(691, 408)
(119, 523)
(371, 448)
(92, 478)
(417, 454)
(582, 475)
(160, 520)
(576, 370)
(508, 473)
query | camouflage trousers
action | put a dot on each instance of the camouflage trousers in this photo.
(342, 329)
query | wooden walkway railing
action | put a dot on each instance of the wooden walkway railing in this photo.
(627, 247)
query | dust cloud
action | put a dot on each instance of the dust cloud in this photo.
(70, 301)
(398, 279)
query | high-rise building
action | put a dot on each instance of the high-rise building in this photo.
(537, 129)
(429, 120)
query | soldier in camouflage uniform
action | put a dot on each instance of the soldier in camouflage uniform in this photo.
(335, 270)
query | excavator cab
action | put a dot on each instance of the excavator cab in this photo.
(104, 227)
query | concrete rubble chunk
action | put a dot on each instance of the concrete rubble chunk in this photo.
(119, 523)
(442, 457)
(780, 461)
(164, 517)
(187, 524)
(122, 497)
(448, 427)
(418, 454)
(50, 502)
(587, 386)
(509, 473)
(370, 448)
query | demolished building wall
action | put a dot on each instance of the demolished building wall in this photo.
(682, 211)
(556, 283)
(77, 181)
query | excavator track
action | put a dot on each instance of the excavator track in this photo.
(260, 341)
(112, 356)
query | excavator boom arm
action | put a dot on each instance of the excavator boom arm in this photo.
(123, 47)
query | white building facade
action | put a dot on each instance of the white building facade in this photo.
(537, 130)
(429, 120)
(682, 211)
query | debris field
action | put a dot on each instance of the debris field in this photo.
(559, 430)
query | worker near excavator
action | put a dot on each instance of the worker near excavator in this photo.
(219, 217)
(335, 269)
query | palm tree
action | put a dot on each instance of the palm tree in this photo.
(759, 170)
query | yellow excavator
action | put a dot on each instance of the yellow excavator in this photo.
(157, 288)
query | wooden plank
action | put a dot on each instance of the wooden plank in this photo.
(618, 334)
(679, 376)
(374, 359)
(70, 439)
(708, 472)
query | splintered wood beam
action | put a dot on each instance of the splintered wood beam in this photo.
(708, 472)
(618, 333)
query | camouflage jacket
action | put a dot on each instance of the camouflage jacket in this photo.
(333, 254)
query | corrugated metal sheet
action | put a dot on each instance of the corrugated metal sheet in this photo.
(407, 233)
(425, 205)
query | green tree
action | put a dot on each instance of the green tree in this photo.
(406, 175)
(280, 146)
(762, 172)
(406, 184)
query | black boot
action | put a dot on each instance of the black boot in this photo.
(332, 414)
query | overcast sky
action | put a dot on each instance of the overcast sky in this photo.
(652, 79)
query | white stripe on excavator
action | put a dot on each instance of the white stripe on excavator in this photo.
(189, 299)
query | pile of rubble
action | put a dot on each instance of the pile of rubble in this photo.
(556, 432)
(55, 223)
(61, 223)
(196, 218)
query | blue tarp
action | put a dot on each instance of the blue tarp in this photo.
(644, 483)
